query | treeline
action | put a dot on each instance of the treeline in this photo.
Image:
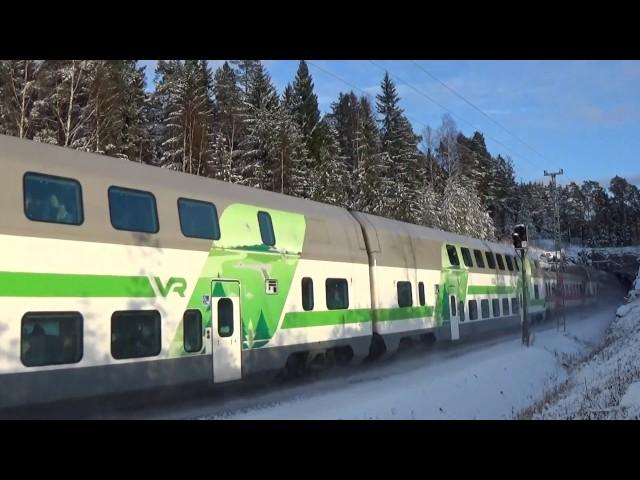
(233, 125)
(590, 214)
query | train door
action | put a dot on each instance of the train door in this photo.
(454, 316)
(226, 335)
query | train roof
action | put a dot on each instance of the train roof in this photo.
(332, 233)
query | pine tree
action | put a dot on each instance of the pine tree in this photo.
(572, 212)
(330, 175)
(228, 120)
(134, 137)
(597, 214)
(262, 110)
(102, 107)
(304, 104)
(244, 70)
(463, 212)
(288, 99)
(183, 98)
(370, 170)
(499, 196)
(430, 202)
(623, 197)
(400, 154)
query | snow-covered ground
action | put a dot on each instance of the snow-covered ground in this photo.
(497, 379)
(607, 385)
(576, 254)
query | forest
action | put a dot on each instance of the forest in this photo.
(233, 125)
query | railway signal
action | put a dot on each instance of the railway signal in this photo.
(520, 243)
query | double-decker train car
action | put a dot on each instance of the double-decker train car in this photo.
(117, 276)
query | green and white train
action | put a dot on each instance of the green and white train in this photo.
(117, 276)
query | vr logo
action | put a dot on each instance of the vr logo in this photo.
(176, 284)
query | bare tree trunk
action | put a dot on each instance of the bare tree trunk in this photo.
(184, 144)
(233, 134)
(70, 108)
(24, 97)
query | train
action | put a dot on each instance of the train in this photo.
(118, 277)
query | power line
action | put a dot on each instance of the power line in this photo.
(469, 102)
(413, 119)
(421, 93)
(420, 122)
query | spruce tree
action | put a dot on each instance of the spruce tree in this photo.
(184, 101)
(135, 135)
(401, 185)
(228, 121)
(304, 104)
(262, 104)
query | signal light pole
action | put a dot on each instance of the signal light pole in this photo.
(520, 244)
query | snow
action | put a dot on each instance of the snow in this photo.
(495, 379)
(606, 385)
(631, 399)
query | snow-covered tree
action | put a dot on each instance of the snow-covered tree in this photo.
(304, 105)
(463, 212)
(330, 174)
(19, 90)
(228, 125)
(262, 110)
(183, 100)
(400, 155)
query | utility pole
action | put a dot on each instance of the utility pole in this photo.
(520, 244)
(559, 263)
(556, 210)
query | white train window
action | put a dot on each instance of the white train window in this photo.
(307, 294)
(421, 296)
(337, 292)
(225, 317)
(505, 307)
(135, 334)
(479, 259)
(266, 229)
(473, 310)
(405, 296)
(52, 199)
(192, 330)
(466, 257)
(198, 219)
(490, 260)
(500, 261)
(495, 305)
(453, 255)
(509, 263)
(51, 338)
(515, 306)
(484, 307)
(133, 210)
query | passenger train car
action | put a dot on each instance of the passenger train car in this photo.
(117, 276)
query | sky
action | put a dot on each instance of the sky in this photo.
(581, 116)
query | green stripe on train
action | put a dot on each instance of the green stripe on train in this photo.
(26, 284)
(490, 290)
(339, 317)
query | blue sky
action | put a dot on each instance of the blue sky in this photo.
(583, 116)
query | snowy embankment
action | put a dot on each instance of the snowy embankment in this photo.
(496, 379)
(607, 386)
